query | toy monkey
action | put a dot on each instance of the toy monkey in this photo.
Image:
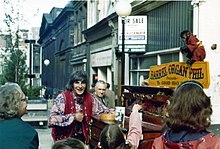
(194, 48)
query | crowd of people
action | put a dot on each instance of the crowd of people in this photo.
(187, 119)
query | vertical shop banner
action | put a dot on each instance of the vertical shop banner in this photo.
(173, 73)
(135, 30)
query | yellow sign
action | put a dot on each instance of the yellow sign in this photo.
(173, 73)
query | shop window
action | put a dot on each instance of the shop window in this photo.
(134, 63)
(171, 57)
(140, 66)
(134, 78)
(145, 74)
(146, 62)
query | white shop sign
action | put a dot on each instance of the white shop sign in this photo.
(101, 59)
(135, 30)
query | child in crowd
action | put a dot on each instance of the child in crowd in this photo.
(70, 143)
(112, 137)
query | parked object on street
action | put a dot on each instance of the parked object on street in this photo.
(37, 112)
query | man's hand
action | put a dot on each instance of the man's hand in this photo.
(79, 117)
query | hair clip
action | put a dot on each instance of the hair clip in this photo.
(126, 142)
(189, 83)
(99, 145)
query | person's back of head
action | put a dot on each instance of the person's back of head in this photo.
(112, 137)
(11, 97)
(93, 85)
(108, 85)
(70, 143)
(189, 108)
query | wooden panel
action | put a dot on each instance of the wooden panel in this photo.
(150, 135)
(150, 131)
(146, 144)
(95, 133)
(93, 143)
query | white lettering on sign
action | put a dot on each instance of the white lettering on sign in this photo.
(135, 30)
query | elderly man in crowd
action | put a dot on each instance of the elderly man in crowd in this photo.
(100, 94)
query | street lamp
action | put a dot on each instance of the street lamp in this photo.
(46, 62)
(123, 9)
(31, 41)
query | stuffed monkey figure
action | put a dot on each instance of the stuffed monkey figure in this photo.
(194, 48)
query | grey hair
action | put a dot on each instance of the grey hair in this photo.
(10, 97)
(101, 82)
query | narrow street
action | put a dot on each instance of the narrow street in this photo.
(45, 138)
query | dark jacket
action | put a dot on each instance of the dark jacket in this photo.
(17, 134)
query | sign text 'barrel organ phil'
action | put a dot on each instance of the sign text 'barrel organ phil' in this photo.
(180, 70)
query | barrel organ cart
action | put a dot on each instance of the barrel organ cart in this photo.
(153, 101)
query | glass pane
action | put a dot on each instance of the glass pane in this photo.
(134, 64)
(134, 78)
(145, 74)
(171, 57)
(146, 62)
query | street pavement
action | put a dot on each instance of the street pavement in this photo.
(215, 128)
(45, 138)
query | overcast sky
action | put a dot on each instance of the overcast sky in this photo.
(32, 10)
